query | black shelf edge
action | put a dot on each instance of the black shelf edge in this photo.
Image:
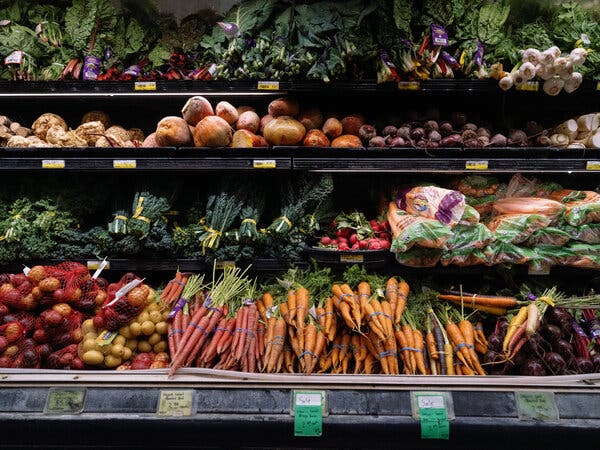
(238, 87)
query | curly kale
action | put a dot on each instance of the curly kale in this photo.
(128, 246)
(100, 240)
(159, 241)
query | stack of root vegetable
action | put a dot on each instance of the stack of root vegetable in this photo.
(580, 132)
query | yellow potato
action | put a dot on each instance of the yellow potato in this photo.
(160, 347)
(135, 328)
(88, 326)
(148, 327)
(155, 316)
(118, 350)
(90, 335)
(143, 317)
(132, 344)
(144, 347)
(119, 340)
(105, 349)
(153, 307)
(112, 361)
(92, 357)
(161, 327)
(151, 294)
(88, 344)
(127, 353)
(165, 315)
(125, 332)
(154, 338)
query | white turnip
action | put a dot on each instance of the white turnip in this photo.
(446, 129)
(390, 130)
(498, 140)
(553, 86)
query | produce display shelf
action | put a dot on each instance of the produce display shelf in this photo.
(447, 160)
(259, 408)
(254, 87)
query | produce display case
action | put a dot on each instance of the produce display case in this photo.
(201, 407)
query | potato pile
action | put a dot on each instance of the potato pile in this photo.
(285, 123)
(147, 333)
(51, 130)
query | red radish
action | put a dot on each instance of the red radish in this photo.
(325, 240)
(385, 245)
(374, 246)
(362, 245)
(353, 238)
(373, 223)
(355, 246)
(342, 240)
(343, 247)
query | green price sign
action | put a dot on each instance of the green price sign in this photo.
(433, 414)
(64, 401)
(536, 406)
(308, 409)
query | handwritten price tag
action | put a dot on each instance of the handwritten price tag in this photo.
(65, 401)
(268, 86)
(536, 406)
(308, 408)
(144, 86)
(175, 403)
(431, 410)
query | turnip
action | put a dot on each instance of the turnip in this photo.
(417, 134)
(517, 138)
(472, 142)
(484, 132)
(483, 141)
(431, 125)
(390, 130)
(527, 70)
(397, 142)
(377, 141)
(434, 136)
(498, 140)
(446, 129)
(468, 134)
(367, 132)
(454, 140)
(403, 132)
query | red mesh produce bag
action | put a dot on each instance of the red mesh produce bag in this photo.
(59, 326)
(27, 320)
(125, 301)
(18, 297)
(21, 354)
(65, 358)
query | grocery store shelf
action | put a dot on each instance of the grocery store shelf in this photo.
(260, 408)
(445, 160)
(70, 88)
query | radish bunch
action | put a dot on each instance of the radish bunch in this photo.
(353, 232)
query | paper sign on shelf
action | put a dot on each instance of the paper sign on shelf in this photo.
(268, 86)
(144, 86)
(175, 403)
(65, 401)
(308, 408)
(536, 406)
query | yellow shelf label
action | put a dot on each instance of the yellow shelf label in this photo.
(124, 163)
(598, 86)
(264, 164)
(175, 403)
(95, 265)
(222, 265)
(53, 164)
(530, 86)
(592, 165)
(145, 86)
(476, 165)
(352, 258)
(268, 86)
(409, 85)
